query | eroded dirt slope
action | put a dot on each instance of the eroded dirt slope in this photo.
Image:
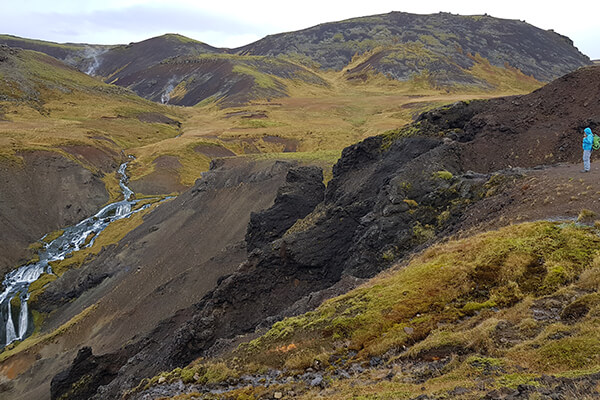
(43, 193)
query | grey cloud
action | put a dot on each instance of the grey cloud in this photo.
(141, 19)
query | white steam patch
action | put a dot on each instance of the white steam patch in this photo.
(93, 55)
(166, 96)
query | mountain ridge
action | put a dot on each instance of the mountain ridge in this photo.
(442, 50)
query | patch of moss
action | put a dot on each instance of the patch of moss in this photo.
(53, 236)
(423, 233)
(472, 307)
(411, 202)
(77, 388)
(15, 302)
(37, 287)
(514, 380)
(445, 175)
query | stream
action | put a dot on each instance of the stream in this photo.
(16, 323)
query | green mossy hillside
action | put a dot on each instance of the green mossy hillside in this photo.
(520, 302)
(416, 305)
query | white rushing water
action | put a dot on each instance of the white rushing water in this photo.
(16, 283)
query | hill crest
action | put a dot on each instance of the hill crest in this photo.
(442, 51)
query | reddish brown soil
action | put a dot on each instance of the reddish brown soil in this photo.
(101, 158)
(154, 117)
(46, 192)
(289, 145)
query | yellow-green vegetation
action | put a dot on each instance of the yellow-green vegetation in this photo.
(586, 215)
(111, 182)
(53, 235)
(323, 158)
(456, 298)
(445, 175)
(503, 79)
(38, 286)
(263, 80)
(197, 372)
(57, 108)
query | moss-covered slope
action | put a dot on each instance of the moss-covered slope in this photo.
(482, 314)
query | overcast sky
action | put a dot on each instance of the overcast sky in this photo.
(233, 23)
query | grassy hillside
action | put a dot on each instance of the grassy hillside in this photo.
(47, 105)
(313, 114)
(485, 313)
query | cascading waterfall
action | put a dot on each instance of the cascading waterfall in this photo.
(10, 327)
(16, 283)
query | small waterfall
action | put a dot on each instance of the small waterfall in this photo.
(11, 335)
(93, 53)
(73, 239)
(23, 317)
(127, 193)
(123, 209)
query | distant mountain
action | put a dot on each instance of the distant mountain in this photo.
(177, 70)
(441, 51)
(443, 44)
(124, 60)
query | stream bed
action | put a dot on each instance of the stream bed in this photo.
(16, 322)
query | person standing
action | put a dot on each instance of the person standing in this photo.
(588, 141)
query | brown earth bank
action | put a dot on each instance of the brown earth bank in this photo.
(41, 194)
(559, 192)
(390, 196)
(164, 178)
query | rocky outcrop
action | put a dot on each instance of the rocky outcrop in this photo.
(302, 191)
(85, 375)
(362, 224)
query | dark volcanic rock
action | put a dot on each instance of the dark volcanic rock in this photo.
(349, 233)
(87, 373)
(302, 191)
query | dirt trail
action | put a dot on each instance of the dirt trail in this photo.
(553, 192)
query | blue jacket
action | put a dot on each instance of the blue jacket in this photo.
(588, 140)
